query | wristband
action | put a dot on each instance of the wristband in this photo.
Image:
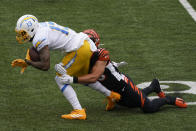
(75, 79)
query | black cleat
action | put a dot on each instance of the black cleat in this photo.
(156, 88)
(171, 100)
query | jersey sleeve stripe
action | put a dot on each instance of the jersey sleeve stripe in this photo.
(39, 42)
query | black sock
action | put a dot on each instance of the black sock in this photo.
(170, 100)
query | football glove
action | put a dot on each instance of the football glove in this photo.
(20, 63)
(59, 69)
(65, 79)
(122, 63)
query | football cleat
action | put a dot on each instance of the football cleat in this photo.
(180, 103)
(76, 114)
(112, 99)
(161, 94)
(156, 87)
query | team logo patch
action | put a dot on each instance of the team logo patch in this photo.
(165, 85)
(29, 23)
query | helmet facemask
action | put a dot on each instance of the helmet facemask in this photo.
(22, 36)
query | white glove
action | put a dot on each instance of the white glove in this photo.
(65, 79)
(59, 68)
(122, 63)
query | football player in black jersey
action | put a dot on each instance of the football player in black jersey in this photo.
(102, 70)
(106, 72)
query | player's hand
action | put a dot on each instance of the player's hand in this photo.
(60, 69)
(20, 63)
(28, 62)
(65, 79)
(122, 63)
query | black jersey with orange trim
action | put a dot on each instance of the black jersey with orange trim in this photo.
(116, 81)
(111, 78)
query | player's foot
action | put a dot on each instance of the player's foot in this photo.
(156, 87)
(180, 103)
(75, 114)
(112, 99)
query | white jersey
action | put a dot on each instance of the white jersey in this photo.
(59, 38)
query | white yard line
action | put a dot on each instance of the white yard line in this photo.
(189, 8)
(191, 103)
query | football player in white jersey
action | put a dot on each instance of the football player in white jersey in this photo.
(46, 36)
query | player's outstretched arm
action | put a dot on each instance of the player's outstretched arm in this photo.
(44, 63)
(95, 74)
(92, 77)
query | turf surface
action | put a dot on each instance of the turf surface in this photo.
(156, 37)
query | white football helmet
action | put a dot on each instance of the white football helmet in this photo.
(26, 28)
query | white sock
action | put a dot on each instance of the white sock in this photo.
(69, 94)
(99, 87)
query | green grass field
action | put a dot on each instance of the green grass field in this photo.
(156, 37)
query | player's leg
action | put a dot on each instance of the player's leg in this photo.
(154, 87)
(70, 95)
(112, 97)
(154, 105)
(99, 87)
(77, 63)
(134, 96)
(131, 96)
